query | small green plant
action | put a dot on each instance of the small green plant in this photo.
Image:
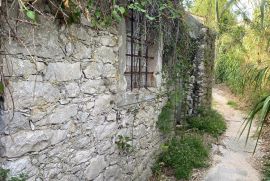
(4, 176)
(165, 118)
(208, 121)
(21, 177)
(123, 143)
(262, 110)
(232, 104)
(182, 154)
(266, 170)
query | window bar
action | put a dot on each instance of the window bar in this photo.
(146, 66)
(146, 54)
(140, 49)
(132, 51)
(140, 62)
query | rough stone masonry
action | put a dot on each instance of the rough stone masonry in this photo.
(66, 103)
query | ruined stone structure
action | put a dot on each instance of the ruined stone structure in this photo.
(66, 103)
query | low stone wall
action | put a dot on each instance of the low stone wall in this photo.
(64, 107)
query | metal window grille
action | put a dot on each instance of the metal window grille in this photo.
(137, 52)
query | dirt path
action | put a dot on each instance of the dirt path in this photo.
(232, 160)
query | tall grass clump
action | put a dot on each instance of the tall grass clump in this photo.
(229, 70)
(208, 121)
(182, 155)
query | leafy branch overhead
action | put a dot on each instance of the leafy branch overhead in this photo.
(100, 13)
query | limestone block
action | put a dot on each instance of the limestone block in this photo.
(44, 44)
(36, 78)
(96, 166)
(94, 70)
(109, 71)
(83, 116)
(108, 41)
(105, 147)
(112, 173)
(18, 67)
(100, 177)
(90, 104)
(70, 177)
(28, 141)
(105, 55)
(60, 114)
(81, 156)
(82, 52)
(93, 86)
(28, 93)
(105, 131)
(69, 49)
(103, 104)
(19, 121)
(111, 116)
(73, 89)
(63, 71)
(40, 66)
(112, 84)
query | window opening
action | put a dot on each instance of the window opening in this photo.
(138, 74)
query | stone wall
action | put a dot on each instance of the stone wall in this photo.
(70, 106)
(199, 92)
(66, 103)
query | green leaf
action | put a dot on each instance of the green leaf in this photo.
(2, 88)
(116, 16)
(97, 14)
(122, 10)
(151, 18)
(31, 14)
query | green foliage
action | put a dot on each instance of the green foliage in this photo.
(182, 155)
(208, 121)
(4, 176)
(217, 13)
(2, 88)
(21, 177)
(262, 109)
(232, 104)
(266, 170)
(104, 14)
(123, 143)
(31, 15)
(165, 118)
(230, 70)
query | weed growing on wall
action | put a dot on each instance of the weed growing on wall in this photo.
(123, 144)
(4, 176)
(165, 118)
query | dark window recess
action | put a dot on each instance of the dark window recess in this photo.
(138, 72)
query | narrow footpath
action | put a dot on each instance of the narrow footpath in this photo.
(232, 160)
